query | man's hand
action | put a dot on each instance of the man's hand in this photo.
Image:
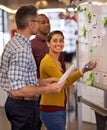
(54, 87)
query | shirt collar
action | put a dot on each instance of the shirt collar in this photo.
(41, 39)
(22, 37)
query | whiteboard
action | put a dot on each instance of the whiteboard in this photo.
(93, 45)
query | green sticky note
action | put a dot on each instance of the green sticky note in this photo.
(104, 21)
(84, 31)
(89, 15)
(90, 80)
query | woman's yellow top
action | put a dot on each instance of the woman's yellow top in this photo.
(49, 68)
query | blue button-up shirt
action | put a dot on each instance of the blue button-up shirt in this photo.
(17, 67)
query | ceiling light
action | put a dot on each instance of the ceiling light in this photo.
(7, 9)
(41, 4)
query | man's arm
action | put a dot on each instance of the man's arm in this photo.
(43, 82)
(28, 91)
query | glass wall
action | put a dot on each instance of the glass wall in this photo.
(4, 29)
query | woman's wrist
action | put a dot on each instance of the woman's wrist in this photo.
(81, 72)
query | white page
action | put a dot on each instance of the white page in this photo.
(66, 74)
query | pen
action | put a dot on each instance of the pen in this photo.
(87, 66)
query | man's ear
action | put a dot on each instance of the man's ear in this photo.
(30, 24)
(48, 44)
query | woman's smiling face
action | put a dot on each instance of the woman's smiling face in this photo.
(56, 43)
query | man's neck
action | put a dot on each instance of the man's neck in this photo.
(24, 32)
(44, 37)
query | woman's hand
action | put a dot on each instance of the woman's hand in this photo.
(89, 66)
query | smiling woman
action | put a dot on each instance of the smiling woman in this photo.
(56, 45)
(54, 105)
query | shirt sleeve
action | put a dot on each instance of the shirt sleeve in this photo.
(48, 68)
(18, 69)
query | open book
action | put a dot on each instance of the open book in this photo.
(66, 74)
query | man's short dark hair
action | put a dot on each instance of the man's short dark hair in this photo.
(23, 14)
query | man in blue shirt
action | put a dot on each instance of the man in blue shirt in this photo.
(18, 74)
